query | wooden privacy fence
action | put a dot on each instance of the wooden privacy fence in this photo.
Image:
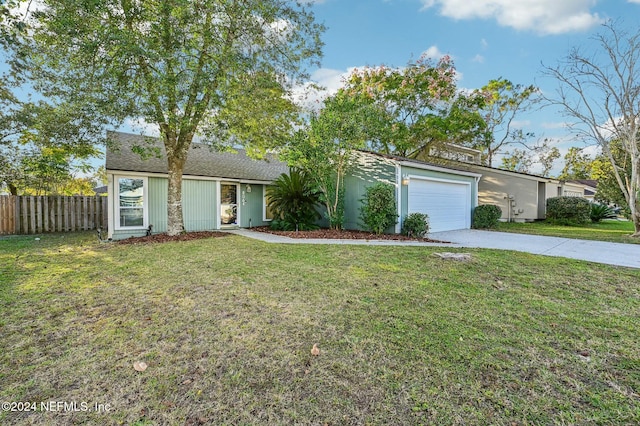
(38, 214)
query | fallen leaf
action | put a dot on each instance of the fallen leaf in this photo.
(140, 365)
(315, 351)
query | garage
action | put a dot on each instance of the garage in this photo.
(447, 202)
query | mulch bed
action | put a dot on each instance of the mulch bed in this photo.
(342, 235)
(317, 234)
(163, 238)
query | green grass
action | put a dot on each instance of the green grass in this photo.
(226, 326)
(617, 231)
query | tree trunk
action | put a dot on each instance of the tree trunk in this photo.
(634, 204)
(175, 220)
(636, 224)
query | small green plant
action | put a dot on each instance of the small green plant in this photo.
(415, 225)
(378, 210)
(486, 216)
(568, 210)
(601, 211)
(294, 198)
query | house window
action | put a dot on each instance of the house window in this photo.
(266, 210)
(131, 202)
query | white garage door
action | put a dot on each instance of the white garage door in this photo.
(448, 204)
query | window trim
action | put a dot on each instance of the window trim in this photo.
(264, 204)
(145, 202)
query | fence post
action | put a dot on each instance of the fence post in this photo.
(18, 220)
(67, 216)
(38, 214)
(59, 217)
(104, 212)
(51, 213)
(85, 215)
(7, 214)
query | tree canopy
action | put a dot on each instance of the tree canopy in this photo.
(577, 165)
(324, 148)
(504, 100)
(598, 88)
(185, 66)
(416, 107)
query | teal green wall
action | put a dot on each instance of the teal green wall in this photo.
(199, 205)
(368, 171)
(124, 234)
(158, 203)
(251, 213)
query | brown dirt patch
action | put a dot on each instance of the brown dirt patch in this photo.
(163, 238)
(342, 235)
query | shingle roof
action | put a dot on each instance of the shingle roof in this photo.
(201, 161)
(588, 182)
(451, 165)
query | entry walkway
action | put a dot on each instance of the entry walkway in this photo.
(593, 251)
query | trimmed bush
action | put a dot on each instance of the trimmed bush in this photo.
(486, 216)
(601, 211)
(378, 211)
(415, 225)
(568, 210)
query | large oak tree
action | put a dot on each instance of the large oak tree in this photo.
(218, 68)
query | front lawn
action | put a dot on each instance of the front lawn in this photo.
(616, 231)
(226, 326)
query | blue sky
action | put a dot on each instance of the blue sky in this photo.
(486, 38)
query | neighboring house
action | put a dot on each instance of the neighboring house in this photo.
(522, 197)
(100, 190)
(585, 188)
(222, 190)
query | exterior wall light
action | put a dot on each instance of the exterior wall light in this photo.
(248, 188)
(405, 180)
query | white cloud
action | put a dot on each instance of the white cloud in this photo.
(542, 16)
(478, 58)
(323, 82)
(484, 43)
(554, 125)
(433, 53)
(518, 124)
(140, 126)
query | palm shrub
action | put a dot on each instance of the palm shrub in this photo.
(378, 211)
(294, 198)
(486, 216)
(415, 225)
(601, 211)
(568, 210)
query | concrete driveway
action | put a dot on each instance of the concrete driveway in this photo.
(593, 251)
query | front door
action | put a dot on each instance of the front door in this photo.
(228, 204)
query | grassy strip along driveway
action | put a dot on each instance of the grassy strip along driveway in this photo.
(614, 231)
(226, 327)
